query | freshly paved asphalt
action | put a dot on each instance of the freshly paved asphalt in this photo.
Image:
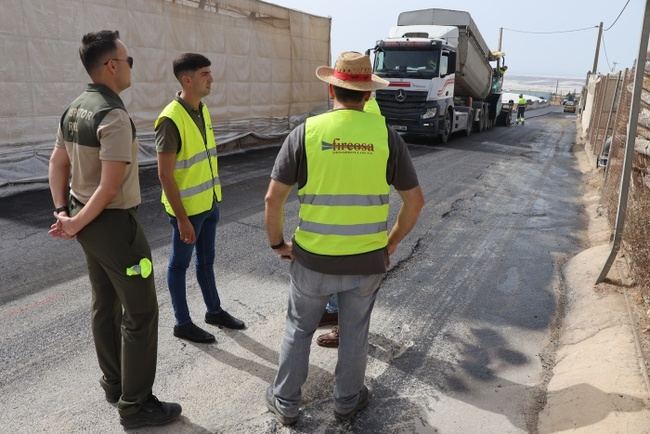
(461, 334)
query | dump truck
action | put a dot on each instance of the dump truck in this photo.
(441, 78)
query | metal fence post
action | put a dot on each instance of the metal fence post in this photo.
(609, 117)
(598, 96)
(600, 110)
(619, 114)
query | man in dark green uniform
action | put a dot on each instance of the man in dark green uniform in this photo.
(94, 182)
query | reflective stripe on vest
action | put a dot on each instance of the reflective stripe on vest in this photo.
(189, 192)
(344, 199)
(358, 229)
(196, 171)
(344, 203)
(184, 164)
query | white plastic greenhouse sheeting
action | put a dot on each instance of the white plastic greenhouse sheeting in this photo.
(263, 61)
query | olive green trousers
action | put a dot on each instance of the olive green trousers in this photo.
(124, 305)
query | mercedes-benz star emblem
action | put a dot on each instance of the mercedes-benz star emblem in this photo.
(401, 96)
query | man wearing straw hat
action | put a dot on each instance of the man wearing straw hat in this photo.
(344, 162)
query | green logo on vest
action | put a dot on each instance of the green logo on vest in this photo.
(341, 147)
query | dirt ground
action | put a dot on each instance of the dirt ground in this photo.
(599, 382)
(620, 278)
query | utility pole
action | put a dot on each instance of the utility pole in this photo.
(500, 37)
(500, 45)
(614, 66)
(629, 143)
(600, 36)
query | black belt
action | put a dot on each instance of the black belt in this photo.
(76, 203)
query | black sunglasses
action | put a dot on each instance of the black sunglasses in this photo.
(128, 60)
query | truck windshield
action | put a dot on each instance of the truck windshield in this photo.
(405, 63)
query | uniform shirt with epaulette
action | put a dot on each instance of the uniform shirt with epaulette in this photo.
(96, 127)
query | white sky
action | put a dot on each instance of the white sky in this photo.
(357, 24)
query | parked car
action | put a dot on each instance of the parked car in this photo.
(570, 107)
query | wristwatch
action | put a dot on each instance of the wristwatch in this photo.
(61, 209)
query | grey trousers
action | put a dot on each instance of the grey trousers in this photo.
(308, 294)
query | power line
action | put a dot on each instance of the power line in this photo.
(553, 31)
(605, 51)
(619, 16)
(582, 29)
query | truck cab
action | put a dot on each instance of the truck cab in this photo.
(419, 62)
(441, 80)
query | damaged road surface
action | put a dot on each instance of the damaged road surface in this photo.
(462, 336)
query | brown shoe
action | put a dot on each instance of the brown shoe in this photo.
(329, 340)
(329, 319)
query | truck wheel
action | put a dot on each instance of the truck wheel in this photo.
(444, 136)
(486, 119)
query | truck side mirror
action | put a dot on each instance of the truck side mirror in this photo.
(451, 68)
(444, 63)
(447, 63)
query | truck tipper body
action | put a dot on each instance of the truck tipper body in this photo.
(441, 79)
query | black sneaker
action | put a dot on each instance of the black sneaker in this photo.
(224, 319)
(361, 404)
(273, 408)
(193, 333)
(152, 413)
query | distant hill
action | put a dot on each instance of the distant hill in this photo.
(541, 85)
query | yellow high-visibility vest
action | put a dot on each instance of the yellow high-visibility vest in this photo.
(196, 172)
(344, 203)
(372, 107)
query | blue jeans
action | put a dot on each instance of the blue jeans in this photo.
(205, 228)
(520, 112)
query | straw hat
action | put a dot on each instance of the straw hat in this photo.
(351, 71)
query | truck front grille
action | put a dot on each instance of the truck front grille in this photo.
(401, 105)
